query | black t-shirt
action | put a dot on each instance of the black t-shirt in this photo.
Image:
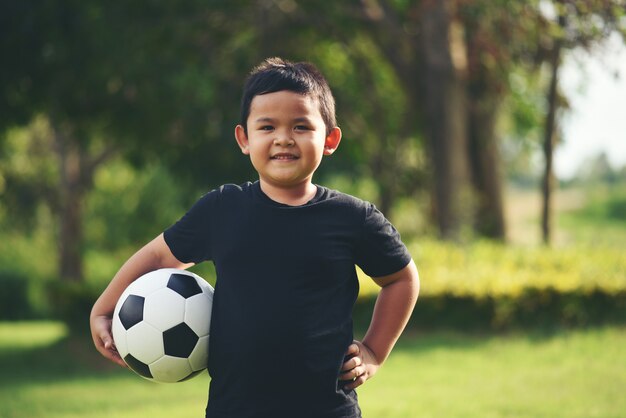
(286, 285)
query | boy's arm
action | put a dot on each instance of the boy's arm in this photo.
(154, 255)
(392, 311)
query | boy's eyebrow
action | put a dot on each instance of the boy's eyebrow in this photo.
(271, 120)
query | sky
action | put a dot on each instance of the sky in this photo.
(597, 121)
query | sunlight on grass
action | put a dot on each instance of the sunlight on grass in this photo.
(16, 335)
(122, 395)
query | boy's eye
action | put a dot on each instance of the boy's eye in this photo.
(266, 128)
(302, 128)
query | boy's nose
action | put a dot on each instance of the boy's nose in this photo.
(283, 139)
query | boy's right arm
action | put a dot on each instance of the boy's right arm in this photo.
(155, 255)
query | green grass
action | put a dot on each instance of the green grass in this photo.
(575, 373)
(47, 374)
(570, 374)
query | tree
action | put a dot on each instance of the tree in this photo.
(116, 78)
(573, 24)
(443, 83)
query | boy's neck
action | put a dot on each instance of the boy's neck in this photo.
(292, 196)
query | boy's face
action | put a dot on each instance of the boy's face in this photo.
(286, 138)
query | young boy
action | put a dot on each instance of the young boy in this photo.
(285, 251)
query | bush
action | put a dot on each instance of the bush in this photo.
(531, 309)
(486, 285)
(71, 303)
(485, 269)
(14, 300)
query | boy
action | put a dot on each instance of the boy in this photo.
(284, 251)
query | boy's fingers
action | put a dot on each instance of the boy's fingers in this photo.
(109, 344)
(353, 374)
(357, 382)
(109, 350)
(353, 350)
(351, 363)
(114, 356)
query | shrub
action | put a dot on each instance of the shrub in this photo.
(14, 300)
(71, 302)
(489, 285)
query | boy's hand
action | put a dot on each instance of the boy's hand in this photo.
(361, 365)
(102, 338)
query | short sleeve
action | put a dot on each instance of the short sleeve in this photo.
(189, 239)
(380, 250)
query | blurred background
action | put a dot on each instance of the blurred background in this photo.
(491, 133)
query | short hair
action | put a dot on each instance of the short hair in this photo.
(276, 74)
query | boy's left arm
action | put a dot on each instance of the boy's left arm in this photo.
(392, 311)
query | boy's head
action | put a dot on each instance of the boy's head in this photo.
(276, 74)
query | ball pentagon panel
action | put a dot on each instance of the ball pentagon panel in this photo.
(131, 311)
(138, 366)
(179, 341)
(184, 284)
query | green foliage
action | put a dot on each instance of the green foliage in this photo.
(130, 206)
(29, 173)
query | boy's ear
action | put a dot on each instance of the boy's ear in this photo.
(332, 141)
(242, 139)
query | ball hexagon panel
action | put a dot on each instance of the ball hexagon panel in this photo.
(131, 312)
(191, 375)
(149, 283)
(164, 309)
(179, 341)
(197, 310)
(200, 355)
(119, 336)
(170, 369)
(145, 342)
(184, 284)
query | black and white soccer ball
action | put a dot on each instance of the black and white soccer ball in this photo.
(161, 325)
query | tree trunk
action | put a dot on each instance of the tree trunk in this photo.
(71, 191)
(548, 152)
(485, 166)
(445, 121)
(549, 140)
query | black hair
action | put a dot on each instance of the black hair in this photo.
(276, 74)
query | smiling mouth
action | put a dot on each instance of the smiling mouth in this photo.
(284, 157)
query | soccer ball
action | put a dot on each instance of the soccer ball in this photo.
(161, 325)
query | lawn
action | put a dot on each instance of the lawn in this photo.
(570, 373)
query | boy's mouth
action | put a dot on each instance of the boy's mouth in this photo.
(284, 156)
